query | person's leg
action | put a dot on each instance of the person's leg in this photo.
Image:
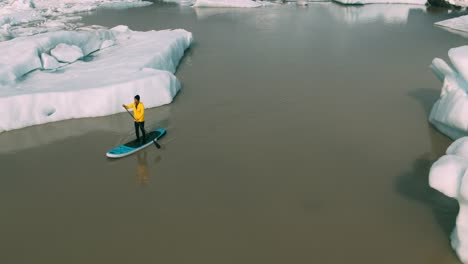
(142, 127)
(136, 131)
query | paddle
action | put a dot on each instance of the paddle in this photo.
(154, 141)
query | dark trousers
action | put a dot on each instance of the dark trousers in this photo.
(140, 126)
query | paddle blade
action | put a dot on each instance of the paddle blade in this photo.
(156, 144)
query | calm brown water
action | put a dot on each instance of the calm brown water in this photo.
(300, 136)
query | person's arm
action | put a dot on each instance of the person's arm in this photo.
(130, 106)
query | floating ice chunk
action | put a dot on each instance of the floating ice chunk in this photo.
(457, 23)
(67, 53)
(49, 62)
(459, 148)
(449, 175)
(22, 13)
(391, 14)
(459, 58)
(74, 6)
(17, 12)
(15, 17)
(141, 63)
(442, 69)
(445, 174)
(449, 113)
(364, 2)
(226, 3)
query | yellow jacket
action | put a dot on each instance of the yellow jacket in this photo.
(139, 112)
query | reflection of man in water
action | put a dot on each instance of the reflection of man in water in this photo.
(142, 169)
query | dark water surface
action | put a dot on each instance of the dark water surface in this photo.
(300, 136)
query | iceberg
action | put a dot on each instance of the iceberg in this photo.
(138, 63)
(30, 17)
(365, 2)
(448, 175)
(17, 12)
(449, 112)
(459, 24)
(391, 14)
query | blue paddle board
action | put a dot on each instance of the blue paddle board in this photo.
(134, 146)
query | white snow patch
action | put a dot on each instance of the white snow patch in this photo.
(139, 63)
(449, 176)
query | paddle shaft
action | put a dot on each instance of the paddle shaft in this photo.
(154, 141)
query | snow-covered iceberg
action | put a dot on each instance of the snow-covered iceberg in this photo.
(138, 63)
(18, 12)
(455, 24)
(449, 175)
(365, 2)
(391, 14)
(449, 113)
(29, 17)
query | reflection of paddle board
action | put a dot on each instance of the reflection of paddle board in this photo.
(134, 146)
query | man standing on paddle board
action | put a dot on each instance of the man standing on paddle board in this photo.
(139, 115)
